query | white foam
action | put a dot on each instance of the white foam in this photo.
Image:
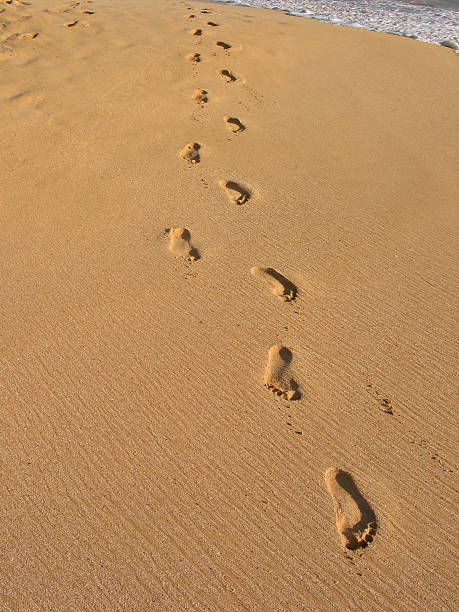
(434, 21)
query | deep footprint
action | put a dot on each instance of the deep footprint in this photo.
(222, 44)
(212, 24)
(237, 194)
(179, 244)
(277, 377)
(200, 96)
(190, 152)
(193, 57)
(233, 124)
(279, 285)
(355, 520)
(196, 32)
(226, 75)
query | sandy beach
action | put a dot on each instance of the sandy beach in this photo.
(228, 311)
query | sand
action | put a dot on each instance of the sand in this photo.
(145, 465)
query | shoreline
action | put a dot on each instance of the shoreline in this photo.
(448, 39)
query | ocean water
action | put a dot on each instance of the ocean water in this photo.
(434, 21)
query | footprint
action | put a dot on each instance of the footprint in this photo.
(85, 12)
(211, 23)
(21, 36)
(279, 285)
(236, 193)
(179, 244)
(222, 44)
(196, 32)
(200, 95)
(233, 124)
(355, 520)
(193, 57)
(191, 152)
(190, 16)
(205, 11)
(70, 24)
(277, 377)
(226, 75)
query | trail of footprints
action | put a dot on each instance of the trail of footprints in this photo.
(12, 4)
(354, 517)
(355, 520)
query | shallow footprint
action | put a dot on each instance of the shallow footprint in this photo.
(190, 152)
(200, 96)
(179, 244)
(279, 285)
(277, 373)
(70, 24)
(193, 57)
(222, 44)
(18, 36)
(28, 35)
(226, 75)
(355, 520)
(190, 16)
(233, 124)
(237, 194)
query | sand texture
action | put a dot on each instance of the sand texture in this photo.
(199, 201)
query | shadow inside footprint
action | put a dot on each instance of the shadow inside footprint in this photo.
(280, 286)
(193, 57)
(233, 124)
(289, 288)
(222, 44)
(355, 519)
(237, 194)
(190, 152)
(28, 35)
(226, 75)
(211, 23)
(200, 96)
(368, 518)
(179, 243)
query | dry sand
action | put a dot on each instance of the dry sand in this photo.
(144, 465)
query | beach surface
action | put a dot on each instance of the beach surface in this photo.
(227, 269)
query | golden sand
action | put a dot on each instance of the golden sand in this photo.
(145, 466)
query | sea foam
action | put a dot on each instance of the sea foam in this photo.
(433, 21)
